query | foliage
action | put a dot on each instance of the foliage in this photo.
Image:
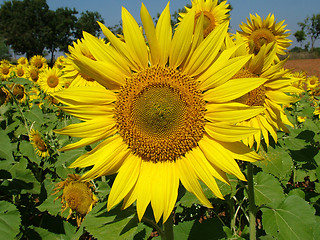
(30, 27)
(311, 26)
(88, 22)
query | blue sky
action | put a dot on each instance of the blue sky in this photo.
(293, 11)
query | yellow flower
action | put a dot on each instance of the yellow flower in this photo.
(271, 95)
(316, 111)
(23, 61)
(59, 62)
(214, 13)
(4, 95)
(33, 74)
(39, 62)
(38, 143)
(51, 80)
(164, 115)
(5, 71)
(258, 32)
(301, 119)
(77, 196)
(20, 71)
(71, 72)
(312, 83)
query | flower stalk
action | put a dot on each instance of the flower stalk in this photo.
(252, 204)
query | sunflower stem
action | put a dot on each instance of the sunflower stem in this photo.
(252, 204)
(168, 229)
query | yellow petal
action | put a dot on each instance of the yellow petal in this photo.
(150, 32)
(181, 41)
(229, 133)
(189, 180)
(280, 97)
(231, 112)
(85, 96)
(125, 180)
(232, 89)
(134, 39)
(87, 112)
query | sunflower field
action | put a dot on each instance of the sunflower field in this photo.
(184, 132)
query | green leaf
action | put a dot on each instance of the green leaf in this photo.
(267, 189)
(28, 150)
(116, 224)
(292, 219)
(35, 115)
(6, 147)
(192, 230)
(277, 162)
(9, 220)
(297, 192)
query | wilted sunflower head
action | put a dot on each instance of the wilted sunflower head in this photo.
(76, 195)
(4, 95)
(261, 31)
(214, 13)
(38, 143)
(18, 91)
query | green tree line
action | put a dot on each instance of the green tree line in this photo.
(30, 27)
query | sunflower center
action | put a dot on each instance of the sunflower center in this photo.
(209, 22)
(38, 63)
(18, 91)
(34, 75)
(5, 70)
(262, 36)
(160, 114)
(20, 72)
(52, 81)
(257, 96)
(41, 145)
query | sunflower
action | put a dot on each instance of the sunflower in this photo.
(312, 83)
(33, 73)
(20, 71)
(316, 111)
(39, 62)
(214, 13)
(51, 80)
(164, 116)
(38, 143)
(5, 71)
(272, 94)
(59, 62)
(71, 72)
(18, 91)
(23, 61)
(258, 32)
(76, 195)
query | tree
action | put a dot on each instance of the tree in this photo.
(311, 26)
(60, 31)
(300, 35)
(88, 22)
(23, 24)
(4, 50)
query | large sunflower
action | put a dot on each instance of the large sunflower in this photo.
(165, 116)
(51, 80)
(258, 32)
(272, 94)
(214, 13)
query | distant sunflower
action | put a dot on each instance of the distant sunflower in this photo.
(33, 74)
(38, 143)
(51, 80)
(5, 71)
(71, 73)
(312, 83)
(272, 94)
(214, 13)
(164, 115)
(258, 32)
(23, 61)
(18, 91)
(59, 62)
(39, 62)
(76, 195)
(20, 71)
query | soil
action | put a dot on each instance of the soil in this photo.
(310, 66)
